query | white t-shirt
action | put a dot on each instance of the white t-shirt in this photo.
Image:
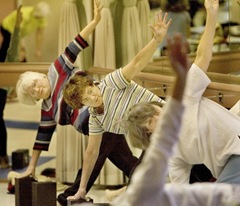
(209, 133)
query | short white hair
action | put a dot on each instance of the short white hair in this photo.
(41, 9)
(25, 80)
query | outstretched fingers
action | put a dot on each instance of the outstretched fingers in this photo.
(211, 5)
(166, 21)
(160, 26)
(97, 10)
(162, 20)
(98, 5)
(158, 16)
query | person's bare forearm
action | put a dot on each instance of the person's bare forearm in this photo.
(204, 51)
(138, 63)
(90, 158)
(144, 56)
(35, 157)
(87, 31)
(88, 165)
(32, 165)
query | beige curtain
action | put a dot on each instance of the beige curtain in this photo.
(104, 56)
(117, 12)
(131, 31)
(69, 157)
(69, 26)
(70, 143)
(104, 43)
(144, 18)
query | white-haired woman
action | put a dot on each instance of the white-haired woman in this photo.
(34, 19)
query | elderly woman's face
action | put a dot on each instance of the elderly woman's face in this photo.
(92, 96)
(40, 88)
(151, 123)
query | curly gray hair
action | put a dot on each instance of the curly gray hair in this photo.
(134, 121)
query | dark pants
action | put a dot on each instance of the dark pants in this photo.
(3, 131)
(200, 173)
(5, 44)
(115, 148)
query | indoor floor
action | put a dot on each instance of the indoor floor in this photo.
(21, 123)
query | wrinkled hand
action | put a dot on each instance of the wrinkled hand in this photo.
(212, 6)
(177, 53)
(97, 10)
(30, 171)
(81, 193)
(160, 26)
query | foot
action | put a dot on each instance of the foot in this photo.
(112, 194)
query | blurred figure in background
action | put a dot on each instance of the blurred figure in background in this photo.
(181, 21)
(12, 55)
(34, 19)
(196, 6)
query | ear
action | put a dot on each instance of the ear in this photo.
(148, 124)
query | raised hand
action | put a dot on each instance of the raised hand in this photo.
(160, 26)
(212, 6)
(177, 52)
(97, 10)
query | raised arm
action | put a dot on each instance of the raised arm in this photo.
(177, 54)
(90, 158)
(142, 58)
(148, 181)
(204, 51)
(87, 31)
(12, 53)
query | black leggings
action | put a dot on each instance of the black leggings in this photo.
(115, 148)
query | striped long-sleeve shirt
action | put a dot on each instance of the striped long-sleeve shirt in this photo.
(55, 110)
(118, 96)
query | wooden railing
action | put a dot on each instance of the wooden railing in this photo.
(9, 72)
(225, 92)
(224, 89)
(222, 62)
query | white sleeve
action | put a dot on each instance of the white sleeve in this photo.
(197, 82)
(179, 171)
